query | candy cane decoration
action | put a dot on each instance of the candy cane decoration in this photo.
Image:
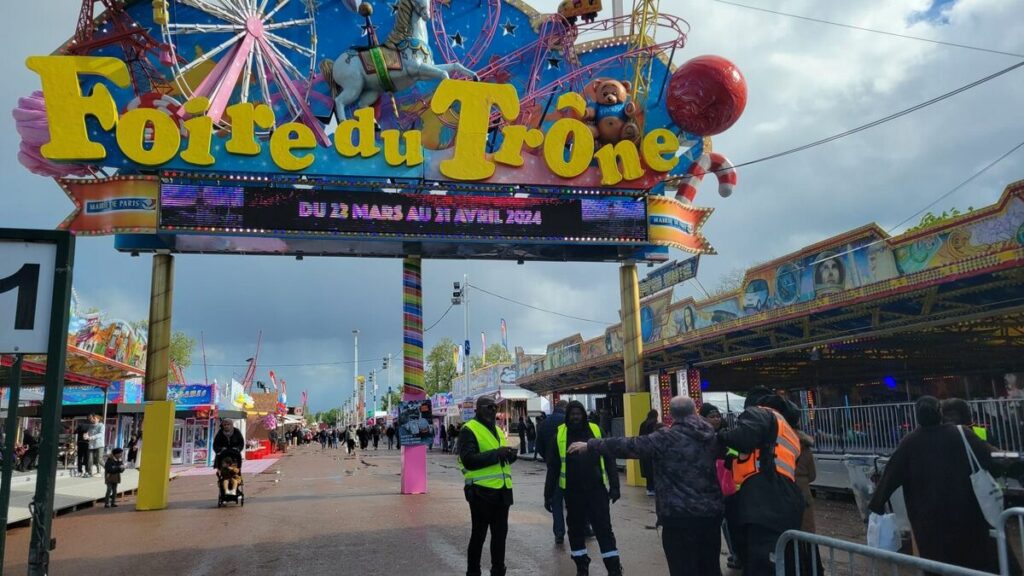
(713, 162)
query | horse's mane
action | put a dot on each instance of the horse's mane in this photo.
(403, 24)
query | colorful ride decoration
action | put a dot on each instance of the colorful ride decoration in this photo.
(412, 336)
(864, 263)
(238, 109)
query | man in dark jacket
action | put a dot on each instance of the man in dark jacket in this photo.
(546, 433)
(688, 500)
(768, 501)
(485, 459)
(227, 437)
(588, 482)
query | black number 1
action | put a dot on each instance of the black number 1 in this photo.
(26, 281)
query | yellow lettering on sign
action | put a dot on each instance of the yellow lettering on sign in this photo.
(131, 136)
(511, 151)
(244, 119)
(413, 154)
(581, 153)
(656, 145)
(67, 108)
(469, 160)
(288, 137)
(362, 127)
(200, 133)
(609, 157)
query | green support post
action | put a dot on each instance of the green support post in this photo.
(11, 430)
(53, 401)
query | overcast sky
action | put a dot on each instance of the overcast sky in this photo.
(806, 81)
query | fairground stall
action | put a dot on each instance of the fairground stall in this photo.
(104, 366)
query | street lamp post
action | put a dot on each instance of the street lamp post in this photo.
(355, 363)
(461, 296)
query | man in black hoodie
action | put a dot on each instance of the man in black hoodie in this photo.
(688, 500)
(486, 461)
(545, 439)
(588, 482)
(768, 501)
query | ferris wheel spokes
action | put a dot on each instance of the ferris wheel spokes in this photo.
(257, 47)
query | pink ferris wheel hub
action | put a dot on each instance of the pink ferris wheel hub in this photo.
(254, 26)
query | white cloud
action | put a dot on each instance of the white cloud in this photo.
(806, 81)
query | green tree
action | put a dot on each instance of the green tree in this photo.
(440, 367)
(181, 349)
(496, 354)
(930, 219)
(391, 399)
(330, 417)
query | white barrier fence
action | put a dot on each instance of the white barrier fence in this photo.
(843, 558)
(878, 429)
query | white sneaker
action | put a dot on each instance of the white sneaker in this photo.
(650, 492)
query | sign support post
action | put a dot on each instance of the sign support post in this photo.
(53, 401)
(636, 402)
(11, 431)
(414, 458)
(158, 423)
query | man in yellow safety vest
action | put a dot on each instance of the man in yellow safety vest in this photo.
(588, 482)
(485, 459)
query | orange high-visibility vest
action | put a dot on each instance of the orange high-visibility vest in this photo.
(787, 450)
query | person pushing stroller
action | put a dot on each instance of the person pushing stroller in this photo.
(228, 445)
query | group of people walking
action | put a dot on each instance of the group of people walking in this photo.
(749, 481)
(350, 437)
(682, 465)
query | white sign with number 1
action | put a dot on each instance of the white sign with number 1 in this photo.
(26, 294)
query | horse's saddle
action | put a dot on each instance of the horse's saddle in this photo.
(372, 57)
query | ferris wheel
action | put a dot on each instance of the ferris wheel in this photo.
(232, 51)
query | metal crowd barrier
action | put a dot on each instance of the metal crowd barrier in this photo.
(879, 428)
(1004, 545)
(843, 558)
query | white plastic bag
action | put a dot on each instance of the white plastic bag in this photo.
(882, 532)
(986, 490)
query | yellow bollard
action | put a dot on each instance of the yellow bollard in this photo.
(636, 406)
(158, 423)
(155, 468)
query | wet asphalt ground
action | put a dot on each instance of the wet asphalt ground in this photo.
(322, 512)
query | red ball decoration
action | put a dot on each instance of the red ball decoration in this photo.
(706, 95)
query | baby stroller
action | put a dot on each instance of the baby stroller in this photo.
(229, 477)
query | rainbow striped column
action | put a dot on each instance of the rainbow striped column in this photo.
(414, 458)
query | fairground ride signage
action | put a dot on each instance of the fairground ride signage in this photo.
(151, 137)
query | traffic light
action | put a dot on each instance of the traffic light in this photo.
(385, 362)
(457, 294)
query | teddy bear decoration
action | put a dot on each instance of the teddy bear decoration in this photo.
(611, 114)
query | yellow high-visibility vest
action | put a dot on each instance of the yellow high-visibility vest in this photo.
(563, 433)
(496, 476)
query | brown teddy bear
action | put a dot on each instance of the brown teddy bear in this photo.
(612, 116)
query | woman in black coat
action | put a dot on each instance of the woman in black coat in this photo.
(932, 467)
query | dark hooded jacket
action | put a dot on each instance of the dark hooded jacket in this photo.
(766, 499)
(686, 484)
(582, 471)
(548, 430)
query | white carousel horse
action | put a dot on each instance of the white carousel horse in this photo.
(409, 39)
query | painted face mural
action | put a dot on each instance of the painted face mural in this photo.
(829, 274)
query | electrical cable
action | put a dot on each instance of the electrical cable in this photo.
(864, 29)
(874, 123)
(541, 309)
(450, 306)
(969, 179)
